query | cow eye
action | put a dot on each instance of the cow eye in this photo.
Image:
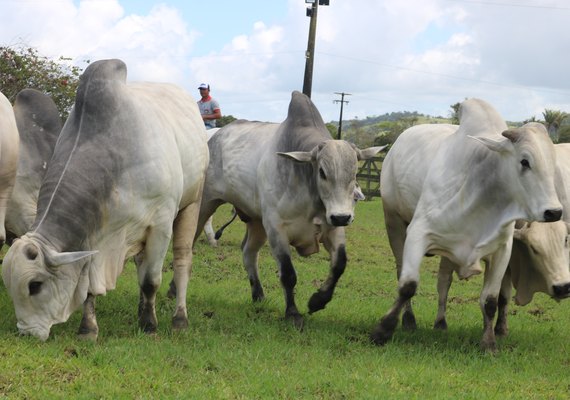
(525, 164)
(322, 174)
(34, 287)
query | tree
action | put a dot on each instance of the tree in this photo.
(564, 134)
(226, 119)
(454, 114)
(22, 68)
(552, 120)
(332, 128)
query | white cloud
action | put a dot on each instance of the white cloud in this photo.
(390, 54)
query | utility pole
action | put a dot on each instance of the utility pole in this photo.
(310, 53)
(341, 101)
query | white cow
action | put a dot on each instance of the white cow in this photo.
(540, 256)
(293, 185)
(39, 125)
(9, 148)
(126, 175)
(457, 193)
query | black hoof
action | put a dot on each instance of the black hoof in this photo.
(440, 325)
(501, 331)
(171, 294)
(409, 321)
(88, 335)
(380, 336)
(297, 320)
(318, 301)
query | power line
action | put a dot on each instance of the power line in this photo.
(341, 101)
(398, 67)
(489, 3)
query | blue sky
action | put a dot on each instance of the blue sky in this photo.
(217, 21)
(391, 55)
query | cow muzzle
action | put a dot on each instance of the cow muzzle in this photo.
(341, 219)
(39, 332)
(553, 215)
(561, 291)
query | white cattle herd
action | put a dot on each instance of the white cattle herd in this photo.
(132, 170)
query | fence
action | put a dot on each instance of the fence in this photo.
(368, 176)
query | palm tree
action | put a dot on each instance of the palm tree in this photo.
(553, 119)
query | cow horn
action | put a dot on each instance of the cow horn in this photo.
(369, 152)
(55, 259)
(501, 145)
(512, 134)
(300, 156)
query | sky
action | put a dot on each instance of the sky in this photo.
(388, 55)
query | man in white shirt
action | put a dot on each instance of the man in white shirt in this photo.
(209, 107)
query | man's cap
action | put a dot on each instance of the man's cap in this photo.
(204, 86)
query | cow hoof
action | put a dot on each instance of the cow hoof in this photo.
(258, 297)
(171, 294)
(149, 328)
(380, 336)
(88, 336)
(501, 331)
(297, 320)
(409, 321)
(179, 323)
(489, 347)
(318, 301)
(440, 324)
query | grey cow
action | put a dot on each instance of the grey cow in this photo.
(293, 185)
(126, 175)
(39, 125)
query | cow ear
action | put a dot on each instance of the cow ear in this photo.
(369, 152)
(501, 145)
(55, 259)
(358, 195)
(300, 156)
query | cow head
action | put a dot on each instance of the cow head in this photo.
(45, 286)
(540, 261)
(531, 169)
(335, 163)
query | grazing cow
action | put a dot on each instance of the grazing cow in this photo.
(126, 175)
(293, 185)
(456, 192)
(39, 125)
(9, 147)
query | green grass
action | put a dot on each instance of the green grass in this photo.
(234, 349)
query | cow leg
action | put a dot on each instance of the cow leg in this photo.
(149, 270)
(396, 229)
(444, 280)
(501, 326)
(280, 250)
(494, 273)
(253, 240)
(185, 227)
(207, 209)
(414, 249)
(334, 241)
(209, 231)
(88, 328)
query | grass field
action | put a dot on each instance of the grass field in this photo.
(237, 350)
